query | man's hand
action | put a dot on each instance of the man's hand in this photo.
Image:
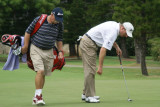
(60, 55)
(119, 51)
(24, 49)
(99, 71)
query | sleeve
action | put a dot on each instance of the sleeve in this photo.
(60, 32)
(32, 25)
(109, 40)
(107, 44)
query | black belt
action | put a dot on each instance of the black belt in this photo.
(90, 38)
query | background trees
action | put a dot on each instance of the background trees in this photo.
(84, 14)
(81, 15)
(16, 15)
(75, 23)
(155, 48)
(142, 13)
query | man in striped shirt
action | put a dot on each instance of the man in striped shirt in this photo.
(41, 48)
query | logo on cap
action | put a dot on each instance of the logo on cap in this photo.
(60, 14)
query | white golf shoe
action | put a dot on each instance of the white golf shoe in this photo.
(84, 97)
(92, 100)
(38, 100)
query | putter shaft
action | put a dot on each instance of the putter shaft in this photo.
(124, 77)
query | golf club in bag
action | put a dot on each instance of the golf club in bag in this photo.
(124, 79)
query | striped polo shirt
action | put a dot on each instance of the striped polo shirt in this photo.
(47, 34)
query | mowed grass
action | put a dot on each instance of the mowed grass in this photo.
(64, 88)
(114, 61)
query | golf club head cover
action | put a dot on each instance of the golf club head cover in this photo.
(14, 41)
(10, 40)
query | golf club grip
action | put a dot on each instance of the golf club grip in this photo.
(120, 60)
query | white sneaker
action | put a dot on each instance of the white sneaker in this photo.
(38, 100)
(84, 97)
(97, 97)
(92, 100)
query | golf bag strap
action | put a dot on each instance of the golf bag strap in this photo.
(37, 26)
(39, 23)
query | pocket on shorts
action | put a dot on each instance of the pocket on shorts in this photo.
(50, 54)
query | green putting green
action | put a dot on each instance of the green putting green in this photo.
(64, 88)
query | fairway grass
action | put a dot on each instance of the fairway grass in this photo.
(64, 88)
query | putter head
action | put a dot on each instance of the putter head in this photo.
(129, 99)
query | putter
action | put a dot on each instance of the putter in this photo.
(124, 79)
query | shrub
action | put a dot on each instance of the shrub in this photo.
(155, 48)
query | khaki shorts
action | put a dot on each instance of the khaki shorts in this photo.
(42, 59)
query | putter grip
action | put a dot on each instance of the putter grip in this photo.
(120, 60)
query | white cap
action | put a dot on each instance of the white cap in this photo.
(129, 28)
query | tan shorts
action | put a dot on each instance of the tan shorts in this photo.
(42, 59)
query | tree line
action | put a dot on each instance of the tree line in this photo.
(81, 15)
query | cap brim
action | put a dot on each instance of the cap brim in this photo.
(59, 19)
(129, 34)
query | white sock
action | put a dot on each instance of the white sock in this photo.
(38, 92)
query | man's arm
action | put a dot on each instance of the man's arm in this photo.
(27, 35)
(26, 43)
(60, 49)
(118, 50)
(101, 58)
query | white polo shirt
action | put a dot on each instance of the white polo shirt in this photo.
(105, 34)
